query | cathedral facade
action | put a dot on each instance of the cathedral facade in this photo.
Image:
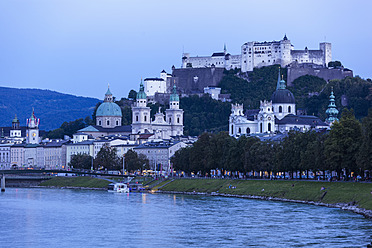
(163, 126)
(277, 115)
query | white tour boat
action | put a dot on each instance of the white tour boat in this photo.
(118, 188)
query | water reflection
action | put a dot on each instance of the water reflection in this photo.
(78, 218)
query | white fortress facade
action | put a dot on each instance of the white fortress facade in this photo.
(258, 54)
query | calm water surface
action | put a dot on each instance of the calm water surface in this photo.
(84, 218)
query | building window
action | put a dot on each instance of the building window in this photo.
(239, 131)
(280, 109)
(289, 109)
(248, 130)
(260, 127)
(170, 120)
(136, 117)
(117, 123)
(178, 120)
(99, 123)
(108, 123)
(145, 118)
(269, 127)
(232, 129)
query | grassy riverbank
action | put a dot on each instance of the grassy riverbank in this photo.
(84, 182)
(335, 192)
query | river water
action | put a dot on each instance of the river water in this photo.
(38, 217)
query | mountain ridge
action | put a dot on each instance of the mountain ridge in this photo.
(52, 107)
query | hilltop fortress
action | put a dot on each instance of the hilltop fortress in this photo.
(258, 54)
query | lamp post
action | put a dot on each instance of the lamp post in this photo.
(123, 164)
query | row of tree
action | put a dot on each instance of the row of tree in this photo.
(346, 148)
(107, 159)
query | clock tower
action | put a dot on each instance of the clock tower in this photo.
(32, 132)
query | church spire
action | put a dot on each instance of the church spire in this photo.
(280, 85)
(108, 95)
(141, 93)
(332, 111)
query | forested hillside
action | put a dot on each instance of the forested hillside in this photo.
(311, 93)
(51, 107)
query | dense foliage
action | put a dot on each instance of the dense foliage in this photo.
(260, 85)
(81, 161)
(107, 159)
(69, 128)
(342, 150)
(311, 92)
(134, 162)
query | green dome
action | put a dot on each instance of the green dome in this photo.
(108, 109)
(141, 93)
(174, 96)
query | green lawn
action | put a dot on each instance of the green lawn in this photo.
(337, 192)
(87, 182)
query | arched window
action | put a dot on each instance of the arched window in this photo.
(178, 120)
(239, 130)
(170, 120)
(260, 127)
(117, 123)
(248, 130)
(145, 118)
(108, 123)
(99, 123)
(280, 109)
(269, 127)
(136, 117)
(232, 129)
(289, 109)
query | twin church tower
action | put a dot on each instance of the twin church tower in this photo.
(109, 116)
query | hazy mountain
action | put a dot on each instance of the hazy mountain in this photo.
(53, 108)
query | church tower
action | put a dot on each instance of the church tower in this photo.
(332, 111)
(32, 131)
(15, 132)
(141, 121)
(174, 115)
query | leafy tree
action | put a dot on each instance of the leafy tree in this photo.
(69, 128)
(81, 161)
(134, 162)
(343, 142)
(334, 64)
(132, 95)
(107, 158)
(365, 153)
(181, 159)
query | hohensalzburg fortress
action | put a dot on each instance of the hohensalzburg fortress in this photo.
(258, 54)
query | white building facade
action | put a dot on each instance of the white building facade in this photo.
(258, 54)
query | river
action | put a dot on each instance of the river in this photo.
(39, 217)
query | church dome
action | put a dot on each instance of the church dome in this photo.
(108, 109)
(282, 96)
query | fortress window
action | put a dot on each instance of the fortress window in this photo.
(280, 109)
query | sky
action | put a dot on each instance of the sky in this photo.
(80, 46)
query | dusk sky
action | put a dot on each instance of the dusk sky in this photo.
(80, 46)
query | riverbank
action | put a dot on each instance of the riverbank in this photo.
(356, 197)
(76, 183)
